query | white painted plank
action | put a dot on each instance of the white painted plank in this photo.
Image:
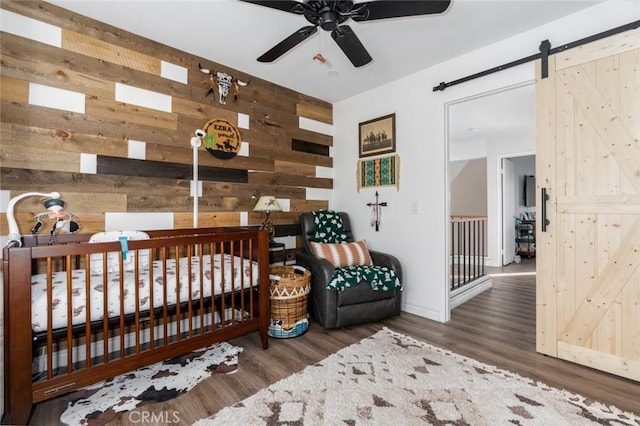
(174, 72)
(143, 97)
(54, 97)
(315, 126)
(115, 221)
(30, 28)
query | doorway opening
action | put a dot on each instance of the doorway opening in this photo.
(518, 210)
(483, 130)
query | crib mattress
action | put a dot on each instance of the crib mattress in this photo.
(238, 274)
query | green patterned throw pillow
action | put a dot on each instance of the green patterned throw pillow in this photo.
(328, 227)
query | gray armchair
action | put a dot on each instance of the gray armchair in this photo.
(354, 305)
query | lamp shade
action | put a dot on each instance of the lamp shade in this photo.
(267, 203)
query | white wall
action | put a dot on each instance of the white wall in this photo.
(414, 225)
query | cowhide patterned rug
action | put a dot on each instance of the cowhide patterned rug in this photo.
(99, 403)
(392, 379)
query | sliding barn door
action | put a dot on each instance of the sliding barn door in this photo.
(588, 161)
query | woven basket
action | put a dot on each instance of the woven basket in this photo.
(289, 292)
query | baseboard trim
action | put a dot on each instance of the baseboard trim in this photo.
(469, 291)
(421, 312)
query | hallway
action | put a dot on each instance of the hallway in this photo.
(525, 267)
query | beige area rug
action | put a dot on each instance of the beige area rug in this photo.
(392, 379)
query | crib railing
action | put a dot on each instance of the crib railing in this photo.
(468, 248)
(77, 350)
(79, 353)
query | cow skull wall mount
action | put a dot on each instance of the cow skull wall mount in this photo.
(222, 82)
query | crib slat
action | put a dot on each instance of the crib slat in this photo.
(105, 311)
(87, 312)
(233, 280)
(232, 275)
(69, 269)
(242, 280)
(178, 284)
(251, 259)
(152, 339)
(122, 296)
(216, 305)
(136, 290)
(247, 285)
(164, 294)
(201, 272)
(49, 318)
(223, 308)
(190, 291)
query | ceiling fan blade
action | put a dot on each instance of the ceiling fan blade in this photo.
(382, 9)
(350, 44)
(284, 5)
(288, 43)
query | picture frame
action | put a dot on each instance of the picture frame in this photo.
(377, 136)
(379, 171)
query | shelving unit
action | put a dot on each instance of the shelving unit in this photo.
(526, 238)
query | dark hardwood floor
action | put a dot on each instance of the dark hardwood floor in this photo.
(496, 327)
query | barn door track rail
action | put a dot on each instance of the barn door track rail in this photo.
(545, 51)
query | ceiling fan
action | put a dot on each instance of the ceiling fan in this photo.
(330, 15)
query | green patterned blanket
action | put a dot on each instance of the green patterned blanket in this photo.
(379, 277)
(328, 228)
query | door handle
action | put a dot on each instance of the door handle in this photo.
(544, 198)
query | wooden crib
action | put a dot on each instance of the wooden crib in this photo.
(165, 296)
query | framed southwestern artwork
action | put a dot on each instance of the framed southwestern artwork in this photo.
(378, 136)
(382, 171)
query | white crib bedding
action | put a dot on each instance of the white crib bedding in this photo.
(238, 273)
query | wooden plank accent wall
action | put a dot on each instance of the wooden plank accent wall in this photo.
(86, 154)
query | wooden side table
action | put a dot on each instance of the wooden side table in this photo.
(275, 248)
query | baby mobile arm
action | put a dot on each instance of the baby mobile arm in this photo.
(15, 238)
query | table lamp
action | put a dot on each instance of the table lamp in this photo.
(267, 204)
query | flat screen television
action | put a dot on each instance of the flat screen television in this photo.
(529, 193)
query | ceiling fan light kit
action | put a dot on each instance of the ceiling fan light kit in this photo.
(331, 15)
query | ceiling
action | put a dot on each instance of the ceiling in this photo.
(235, 33)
